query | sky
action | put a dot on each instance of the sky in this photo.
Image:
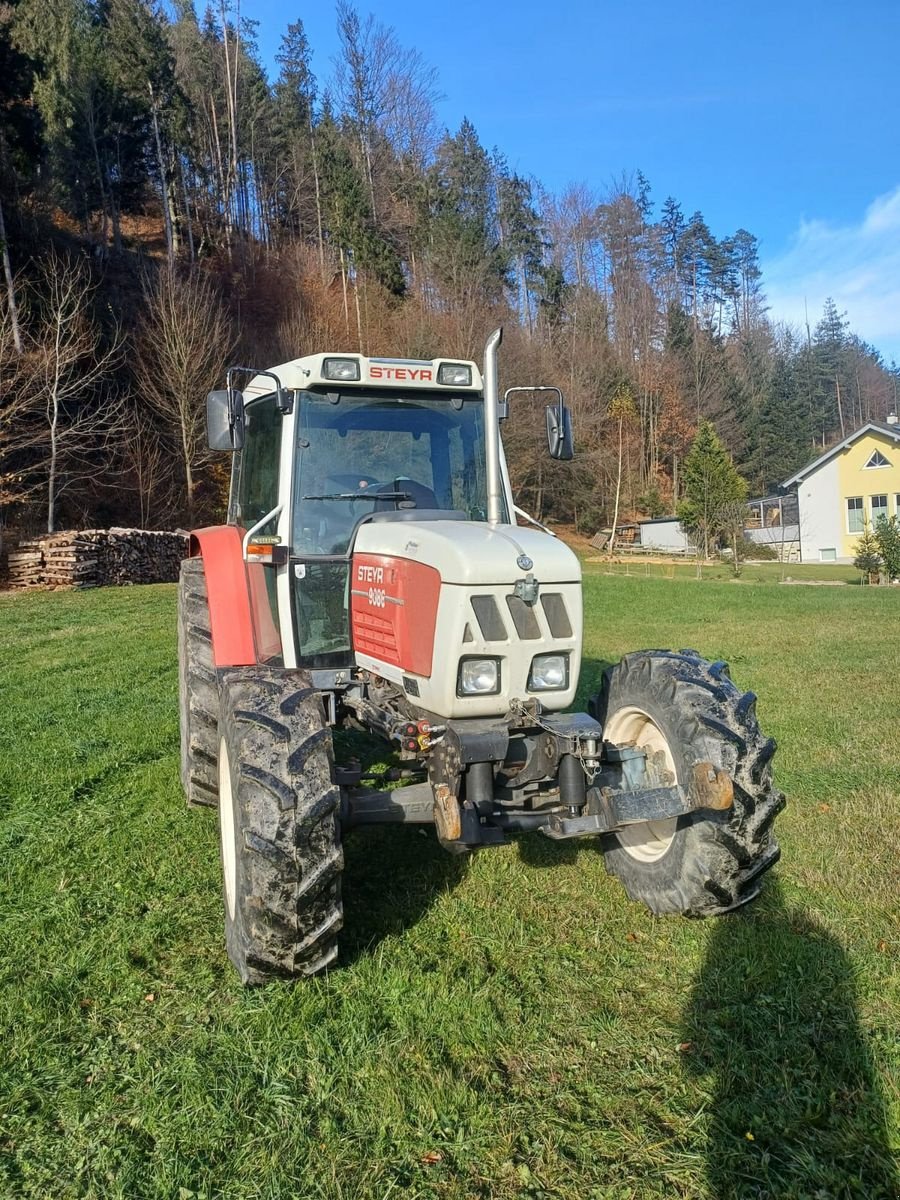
(778, 116)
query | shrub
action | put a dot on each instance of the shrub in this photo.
(887, 538)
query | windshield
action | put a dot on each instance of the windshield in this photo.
(358, 454)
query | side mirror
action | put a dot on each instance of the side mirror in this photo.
(559, 432)
(225, 419)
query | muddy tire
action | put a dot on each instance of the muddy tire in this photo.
(279, 822)
(687, 710)
(198, 697)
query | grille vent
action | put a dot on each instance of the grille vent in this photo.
(523, 618)
(557, 617)
(489, 620)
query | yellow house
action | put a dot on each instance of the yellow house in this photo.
(853, 483)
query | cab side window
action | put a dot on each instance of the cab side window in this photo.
(257, 491)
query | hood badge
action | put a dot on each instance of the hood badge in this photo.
(524, 563)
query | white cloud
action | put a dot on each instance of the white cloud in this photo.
(857, 265)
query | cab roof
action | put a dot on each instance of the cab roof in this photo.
(309, 372)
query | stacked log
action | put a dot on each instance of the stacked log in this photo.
(87, 558)
(68, 561)
(25, 564)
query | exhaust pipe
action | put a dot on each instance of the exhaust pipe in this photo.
(492, 429)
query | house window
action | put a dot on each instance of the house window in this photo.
(877, 460)
(827, 555)
(856, 517)
(879, 507)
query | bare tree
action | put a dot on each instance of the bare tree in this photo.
(19, 429)
(147, 461)
(388, 92)
(74, 361)
(12, 310)
(182, 350)
(621, 409)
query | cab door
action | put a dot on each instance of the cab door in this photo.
(256, 494)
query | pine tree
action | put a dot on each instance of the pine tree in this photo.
(466, 252)
(785, 436)
(868, 556)
(711, 487)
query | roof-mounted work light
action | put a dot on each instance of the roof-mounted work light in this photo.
(343, 370)
(455, 375)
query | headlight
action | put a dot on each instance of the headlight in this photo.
(549, 673)
(455, 375)
(478, 677)
(341, 368)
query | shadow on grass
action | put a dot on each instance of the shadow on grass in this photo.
(797, 1109)
(392, 876)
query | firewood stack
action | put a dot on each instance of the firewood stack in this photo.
(97, 558)
(26, 565)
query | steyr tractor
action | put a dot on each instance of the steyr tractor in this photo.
(372, 574)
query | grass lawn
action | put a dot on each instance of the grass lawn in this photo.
(510, 1027)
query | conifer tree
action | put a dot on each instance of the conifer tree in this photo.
(868, 556)
(711, 487)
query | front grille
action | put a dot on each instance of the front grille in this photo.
(557, 617)
(489, 620)
(523, 618)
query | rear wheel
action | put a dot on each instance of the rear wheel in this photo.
(197, 687)
(684, 710)
(278, 812)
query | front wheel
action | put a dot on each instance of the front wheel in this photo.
(279, 824)
(684, 710)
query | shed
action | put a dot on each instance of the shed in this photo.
(665, 534)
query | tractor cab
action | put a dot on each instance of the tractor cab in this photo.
(349, 440)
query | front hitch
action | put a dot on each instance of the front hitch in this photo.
(609, 808)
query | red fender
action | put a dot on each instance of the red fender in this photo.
(230, 618)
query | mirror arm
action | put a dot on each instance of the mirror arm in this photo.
(254, 529)
(520, 512)
(284, 400)
(542, 387)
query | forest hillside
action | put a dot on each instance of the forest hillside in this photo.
(167, 207)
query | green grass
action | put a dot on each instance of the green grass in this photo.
(761, 572)
(511, 1027)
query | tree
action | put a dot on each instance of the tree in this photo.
(621, 409)
(467, 256)
(887, 539)
(785, 434)
(830, 360)
(182, 350)
(711, 487)
(75, 362)
(868, 556)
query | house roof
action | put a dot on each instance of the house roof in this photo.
(659, 521)
(892, 431)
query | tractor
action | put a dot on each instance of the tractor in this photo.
(374, 573)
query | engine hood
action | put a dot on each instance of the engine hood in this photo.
(472, 552)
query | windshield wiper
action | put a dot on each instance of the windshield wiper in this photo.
(362, 496)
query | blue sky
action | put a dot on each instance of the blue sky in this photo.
(782, 118)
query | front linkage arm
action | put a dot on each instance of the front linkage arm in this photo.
(592, 787)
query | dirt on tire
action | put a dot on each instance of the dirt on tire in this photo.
(284, 913)
(198, 695)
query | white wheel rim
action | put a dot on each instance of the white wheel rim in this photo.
(647, 841)
(226, 829)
